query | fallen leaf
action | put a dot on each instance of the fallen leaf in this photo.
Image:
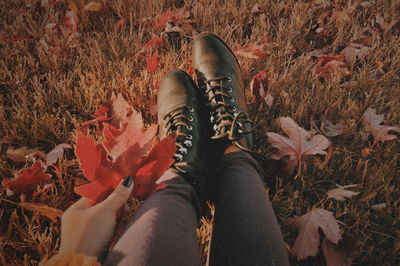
(258, 85)
(256, 9)
(121, 23)
(56, 153)
(330, 66)
(341, 193)
(255, 51)
(160, 23)
(331, 130)
(299, 144)
(152, 62)
(155, 42)
(22, 154)
(355, 52)
(42, 209)
(379, 206)
(341, 18)
(372, 122)
(342, 254)
(308, 225)
(27, 179)
(70, 21)
(93, 6)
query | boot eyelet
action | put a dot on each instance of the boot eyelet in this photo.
(234, 109)
(230, 89)
(191, 109)
(183, 150)
(229, 79)
(190, 118)
(232, 99)
(189, 136)
(188, 143)
(189, 127)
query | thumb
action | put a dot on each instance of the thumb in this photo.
(119, 196)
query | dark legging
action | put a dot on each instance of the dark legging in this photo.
(245, 229)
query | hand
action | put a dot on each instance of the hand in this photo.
(88, 228)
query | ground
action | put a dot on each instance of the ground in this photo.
(60, 60)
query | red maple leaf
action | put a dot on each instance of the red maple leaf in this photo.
(155, 42)
(28, 178)
(259, 89)
(70, 21)
(127, 147)
(160, 23)
(152, 62)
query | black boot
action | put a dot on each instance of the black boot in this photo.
(218, 75)
(182, 113)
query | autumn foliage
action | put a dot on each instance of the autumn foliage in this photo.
(78, 86)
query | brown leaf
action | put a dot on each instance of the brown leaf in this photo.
(355, 52)
(331, 130)
(255, 51)
(307, 241)
(373, 122)
(93, 6)
(299, 144)
(342, 254)
(341, 193)
(22, 154)
(42, 209)
(56, 153)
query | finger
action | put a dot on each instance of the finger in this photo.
(82, 203)
(119, 196)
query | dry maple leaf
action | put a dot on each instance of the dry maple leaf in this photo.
(373, 122)
(341, 193)
(28, 178)
(93, 6)
(342, 254)
(155, 42)
(330, 66)
(307, 241)
(70, 21)
(258, 85)
(23, 154)
(255, 51)
(160, 23)
(331, 130)
(298, 145)
(56, 153)
(117, 112)
(152, 62)
(355, 52)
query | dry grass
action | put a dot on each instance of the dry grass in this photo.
(47, 92)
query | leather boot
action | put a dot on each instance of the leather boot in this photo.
(218, 75)
(181, 113)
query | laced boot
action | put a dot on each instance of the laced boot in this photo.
(181, 113)
(218, 75)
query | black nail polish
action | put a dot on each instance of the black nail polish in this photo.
(127, 181)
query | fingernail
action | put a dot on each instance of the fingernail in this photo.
(127, 181)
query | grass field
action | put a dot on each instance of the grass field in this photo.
(53, 77)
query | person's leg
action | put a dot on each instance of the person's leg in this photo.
(163, 229)
(245, 229)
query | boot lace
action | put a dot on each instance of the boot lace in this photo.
(226, 119)
(178, 123)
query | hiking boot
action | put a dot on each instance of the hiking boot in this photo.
(181, 113)
(218, 75)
